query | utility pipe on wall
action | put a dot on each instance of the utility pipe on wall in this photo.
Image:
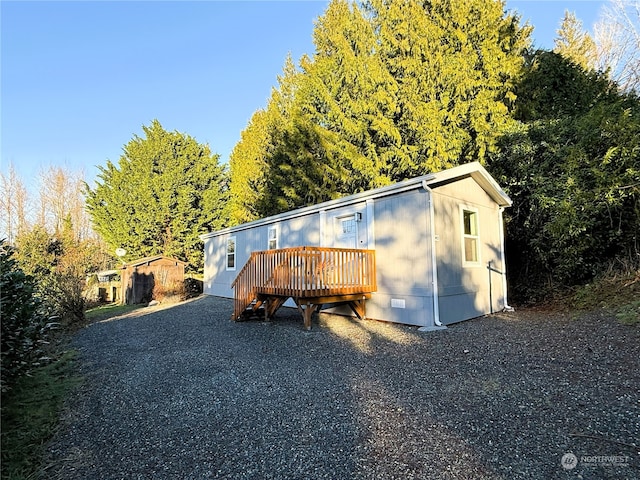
(434, 265)
(506, 307)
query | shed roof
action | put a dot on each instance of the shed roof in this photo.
(142, 261)
(106, 273)
(433, 180)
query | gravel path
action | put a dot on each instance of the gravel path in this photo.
(184, 393)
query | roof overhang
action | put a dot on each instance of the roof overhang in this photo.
(146, 260)
(479, 174)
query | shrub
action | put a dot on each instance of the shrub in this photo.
(69, 292)
(170, 291)
(188, 288)
(192, 287)
(25, 320)
(59, 263)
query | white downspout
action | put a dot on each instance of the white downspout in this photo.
(434, 265)
(506, 307)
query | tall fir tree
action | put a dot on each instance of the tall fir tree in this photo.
(351, 98)
(574, 43)
(166, 190)
(248, 169)
(555, 86)
(395, 89)
(456, 64)
(257, 188)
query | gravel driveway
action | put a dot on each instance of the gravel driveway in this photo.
(185, 393)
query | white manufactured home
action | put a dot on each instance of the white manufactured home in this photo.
(428, 251)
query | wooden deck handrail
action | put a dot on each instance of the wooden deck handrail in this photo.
(304, 272)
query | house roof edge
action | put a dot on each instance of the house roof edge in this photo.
(473, 169)
(153, 258)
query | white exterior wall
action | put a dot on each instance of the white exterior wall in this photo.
(463, 288)
(396, 222)
(293, 232)
(403, 259)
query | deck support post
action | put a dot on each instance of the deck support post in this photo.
(275, 304)
(358, 307)
(306, 311)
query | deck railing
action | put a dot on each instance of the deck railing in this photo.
(304, 272)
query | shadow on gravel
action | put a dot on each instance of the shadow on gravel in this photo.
(148, 310)
(183, 392)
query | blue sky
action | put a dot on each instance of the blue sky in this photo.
(79, 79)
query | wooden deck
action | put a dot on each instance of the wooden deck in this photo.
(311, 276)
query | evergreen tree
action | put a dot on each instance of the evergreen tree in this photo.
(256, 188)
(455, 64)
(574, 43)
(248, 169)
(351, 98)
(299, 173)
(166, 190)
(573, 172)
(555, 86)
(395, 89)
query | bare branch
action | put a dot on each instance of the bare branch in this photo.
(617, 37)
(13, 205)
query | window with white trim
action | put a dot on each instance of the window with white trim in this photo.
(231, 253)
(470, 236)
(346, 230)
(348, 226)
(272, 237)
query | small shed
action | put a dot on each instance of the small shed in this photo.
(104, 286)
(140, 277)
(438, 243)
